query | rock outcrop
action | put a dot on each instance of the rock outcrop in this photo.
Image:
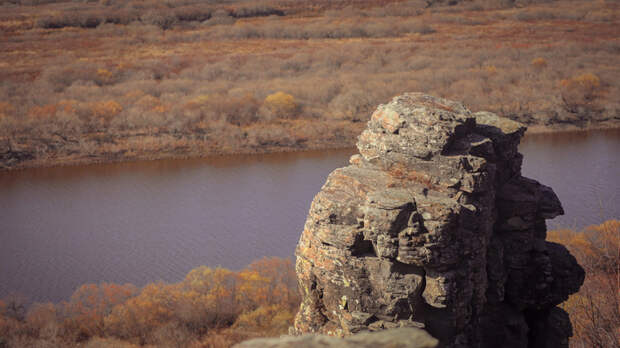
(395, 338)
(432, 226)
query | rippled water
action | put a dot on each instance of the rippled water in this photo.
(583, 168)
(148, 221)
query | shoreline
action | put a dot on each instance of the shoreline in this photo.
(570, 128)
(168, 156)
(534, 130)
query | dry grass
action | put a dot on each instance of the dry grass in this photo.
(189, 78)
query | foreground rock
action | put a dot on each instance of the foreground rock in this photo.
(396, 338)
(432, 226)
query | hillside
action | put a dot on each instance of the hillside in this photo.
(123, 80)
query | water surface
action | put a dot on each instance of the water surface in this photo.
(583, 168)
(149, 221)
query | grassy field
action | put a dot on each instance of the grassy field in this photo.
(142, 79)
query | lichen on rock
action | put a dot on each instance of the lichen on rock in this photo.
(432, 226)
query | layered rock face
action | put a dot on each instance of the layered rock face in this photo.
(433, 226)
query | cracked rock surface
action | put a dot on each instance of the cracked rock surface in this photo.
(432, 226)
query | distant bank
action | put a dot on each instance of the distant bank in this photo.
(27, 158)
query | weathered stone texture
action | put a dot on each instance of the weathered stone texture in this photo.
(433, 226)
(395, 338)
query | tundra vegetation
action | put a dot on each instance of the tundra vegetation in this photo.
(595, 310)
(109, 80)
(216, 307)
(211, 307)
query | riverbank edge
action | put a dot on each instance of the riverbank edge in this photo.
(91, 160)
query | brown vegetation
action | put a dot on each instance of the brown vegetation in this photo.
(209, 308)
(116, 80)
(218, 307)
(595, 309)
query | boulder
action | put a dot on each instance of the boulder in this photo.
(433, 226)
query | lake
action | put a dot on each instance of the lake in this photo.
(147, 221)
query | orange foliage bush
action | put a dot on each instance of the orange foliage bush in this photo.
(50, 111)
(491, 69)
(580, 92)
(90, 303)
(595, 309)
(139, 315)
(104, 73)
(266, 320)
(539, 63)
(282, 281)
(209, 305)
(281, 105)
(105, 109)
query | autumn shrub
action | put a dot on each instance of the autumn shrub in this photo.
(207, 298)
(539, 63)
(173, 335)
(139, 316)
(271, 320)
(210, 306)
(105, 111)
(42, 319)
(88, 306)
(282, 280)
(579, 93)
(595, 309)
(280, 105)
(104, 77)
